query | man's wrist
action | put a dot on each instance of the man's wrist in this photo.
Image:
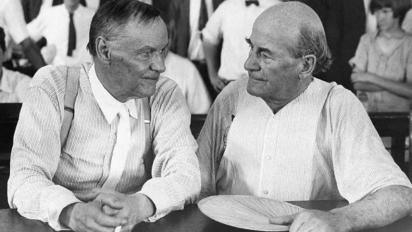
(147, 206)
(65, 215)
(345, 221)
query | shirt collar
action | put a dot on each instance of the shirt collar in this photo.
(107, 103)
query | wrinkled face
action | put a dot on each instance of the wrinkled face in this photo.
(272, 70)
(137, 58)
(385, 19)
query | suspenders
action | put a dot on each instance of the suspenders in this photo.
(72, 87)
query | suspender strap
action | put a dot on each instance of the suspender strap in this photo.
(146, 112)
(72, 86)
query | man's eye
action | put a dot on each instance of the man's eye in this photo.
(144, 55)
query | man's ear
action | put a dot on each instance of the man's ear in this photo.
(307, 66)
(102, 50)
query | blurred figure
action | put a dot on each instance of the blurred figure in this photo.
(382, 65)
(232, 21)
(12, 21)
(66, 27)
(188, 78)
(344, 22)
(188, 18)
(13, 85)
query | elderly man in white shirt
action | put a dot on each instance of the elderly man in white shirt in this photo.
(232, 21)
(286, 135)
(129, 154)
(53, 23)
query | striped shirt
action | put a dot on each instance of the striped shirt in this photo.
(45, 178)
(279, 156)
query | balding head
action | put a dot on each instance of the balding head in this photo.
(297, 22)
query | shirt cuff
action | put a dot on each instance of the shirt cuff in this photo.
(54, 199)
(161, 201)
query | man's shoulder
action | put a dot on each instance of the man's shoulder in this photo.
(51, 79)
(233, 92)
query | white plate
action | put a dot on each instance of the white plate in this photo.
(247, 212)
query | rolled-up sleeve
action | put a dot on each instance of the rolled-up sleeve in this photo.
(36, 153)
(175, 172)
(360, 60)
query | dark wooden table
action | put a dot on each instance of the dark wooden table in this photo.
(188, 220)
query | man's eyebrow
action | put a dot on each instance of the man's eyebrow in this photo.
(259, 49)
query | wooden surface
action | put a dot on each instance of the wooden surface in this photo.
(188, 220)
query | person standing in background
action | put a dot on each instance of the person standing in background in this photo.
(231, 22)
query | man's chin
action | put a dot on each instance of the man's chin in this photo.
(252, 90)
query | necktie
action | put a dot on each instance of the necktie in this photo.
(72, 36)
(203, 15)
(120, 151)
(249, 2)
(58, 2)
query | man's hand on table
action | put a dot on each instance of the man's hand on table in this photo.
(131, 208)
(87, 217)
(314, 220)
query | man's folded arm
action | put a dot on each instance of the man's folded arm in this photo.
(175, 172)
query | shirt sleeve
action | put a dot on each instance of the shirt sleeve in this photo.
(16, 26)
(360, 60)
(361, 163)
(213, 30)
(36, 26)
(35, 155)
(175, 171)
(212, 137)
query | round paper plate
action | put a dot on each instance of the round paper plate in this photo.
(247, 212)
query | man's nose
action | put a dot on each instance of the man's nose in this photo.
(158, 63)
(251, 63)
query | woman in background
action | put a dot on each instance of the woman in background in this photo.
(382, 66)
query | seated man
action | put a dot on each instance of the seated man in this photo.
(13, 85)
(106, 174)
(286, 135)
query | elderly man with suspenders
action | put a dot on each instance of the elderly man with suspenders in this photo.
(106, 145)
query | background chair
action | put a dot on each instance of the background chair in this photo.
(396, 125)
(9, 114)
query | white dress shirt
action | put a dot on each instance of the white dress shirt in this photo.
(53, 24)
(195, 49)
(188, 78)
(13, 86)
(45, 178)
(12, 20)
(311, 149)
(111, 109)
(233, 21)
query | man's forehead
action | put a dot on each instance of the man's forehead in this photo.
(152, 34)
